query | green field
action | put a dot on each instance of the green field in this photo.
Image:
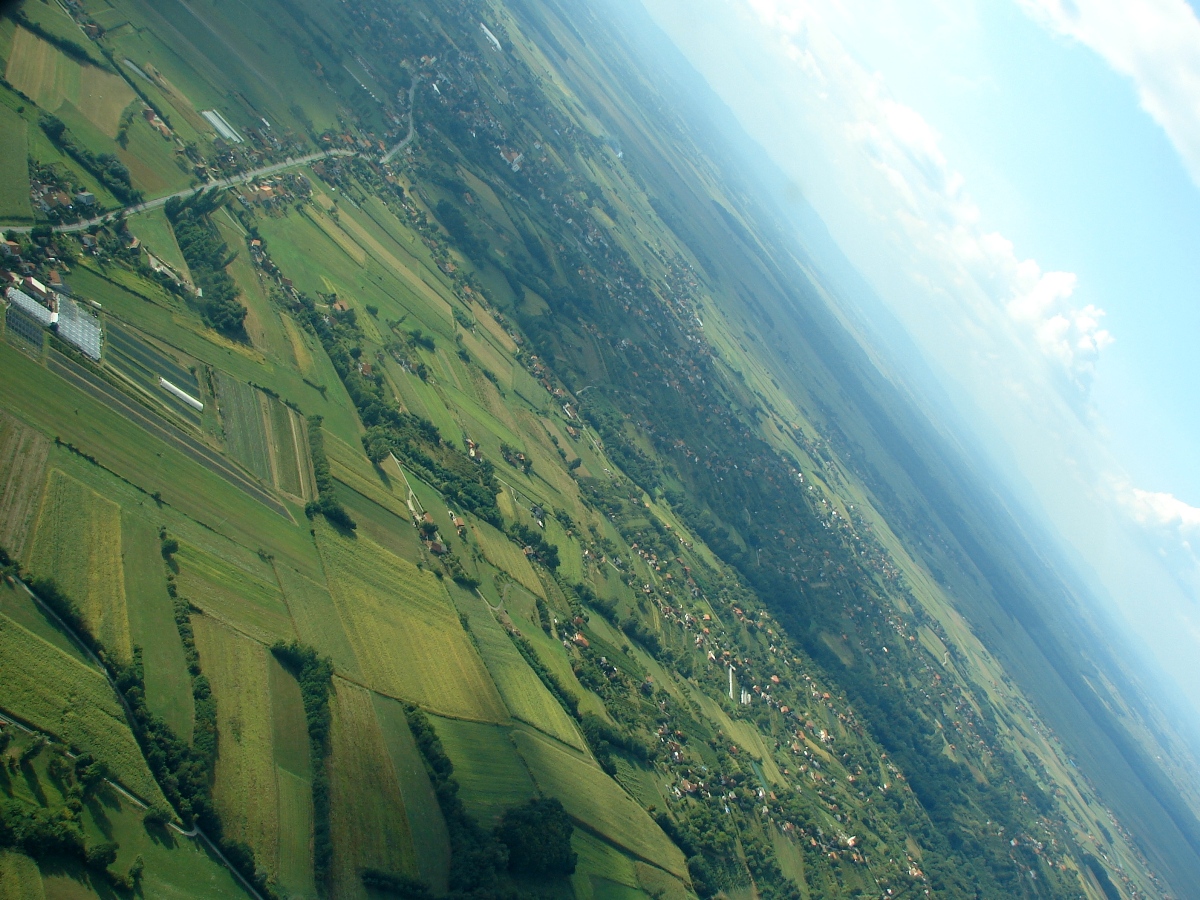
(506, 556)
(490, 773)
(370, 827)
(597, 802)
(156, 235)
(20, 878)
(175, 866)
(128, 450)
(524, 694)
(245, 432)
(152, 625)
(22, 473)
(77, 542)
(389, 530)
(404, 630)
(293, 777)
(51, 79)
(289, 445)
(431, 840)
(245, 786)
(55, 692)
(232, 594)
(14, 168)
(316, 617)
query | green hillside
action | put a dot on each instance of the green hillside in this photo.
(510, 453)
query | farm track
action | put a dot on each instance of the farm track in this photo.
(159, 428)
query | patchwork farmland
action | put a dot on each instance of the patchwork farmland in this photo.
(405, 631)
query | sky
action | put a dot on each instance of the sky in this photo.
(1019, 180)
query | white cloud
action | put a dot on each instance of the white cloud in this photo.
(1160, 510)
(1156, 43)
(1010, 298)
(1171, 525)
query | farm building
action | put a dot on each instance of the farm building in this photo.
(79, 328)
(74, 325)
(32, 308)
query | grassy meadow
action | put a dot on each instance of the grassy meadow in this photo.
(405, 631)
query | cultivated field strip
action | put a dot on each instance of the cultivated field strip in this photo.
(56, 693)
(506, 556)
(405, 632)
(597, 802)
(152, 625)
(245, 432)
(370, 827)
(491, 775)
(431, 839)
(161, 429)
(23, 453)
(77, 542)
(229, 593)
(245, 789)
(524, 694)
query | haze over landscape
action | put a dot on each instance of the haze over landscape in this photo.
(1019, 182)
(600, 450)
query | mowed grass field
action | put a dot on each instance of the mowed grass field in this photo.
(152, 625)
(47, 76)
(77, 542)
(597, 802)
(245, 785)
(232, 594)
(431, 840)
(23, 453)
(404, 630)
(506, 556)
(367, 814)
(55, 692)
(14, 168)
(490, 773)
(524, 694)
(20, 877)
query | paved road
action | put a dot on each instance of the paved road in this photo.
(291, 162)
(412, 96)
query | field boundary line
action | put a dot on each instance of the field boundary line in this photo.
(196, 830)
(162, 429)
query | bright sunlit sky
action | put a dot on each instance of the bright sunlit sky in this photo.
(1020, 182)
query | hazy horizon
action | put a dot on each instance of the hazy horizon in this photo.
(1017, 184)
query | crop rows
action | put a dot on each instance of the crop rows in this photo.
(370, 828)
(405, 632)
(22, 470)
(77, 542)
(245, 787)
(44, 686)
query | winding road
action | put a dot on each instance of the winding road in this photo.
(291, 162)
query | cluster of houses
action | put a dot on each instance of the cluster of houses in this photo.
(47, 198)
